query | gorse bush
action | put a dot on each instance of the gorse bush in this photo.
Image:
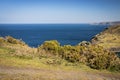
(50, 46)
(98, 58)
(93, 56)
(73, 53)
(114, 63)
(69, 53)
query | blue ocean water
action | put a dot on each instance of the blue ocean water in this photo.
(35, 34)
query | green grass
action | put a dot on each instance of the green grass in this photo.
(6, 59)
(52, 65)
(38, 63)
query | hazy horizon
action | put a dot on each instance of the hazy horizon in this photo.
(58, 11)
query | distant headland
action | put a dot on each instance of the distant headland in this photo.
(107, 23)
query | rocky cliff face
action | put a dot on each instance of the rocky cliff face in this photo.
(109, 38)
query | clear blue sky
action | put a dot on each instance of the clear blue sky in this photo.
(59, 11)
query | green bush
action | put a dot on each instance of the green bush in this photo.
(98, 58)
(50, 46)
(94, 56)
(114, 63)
(69, 53)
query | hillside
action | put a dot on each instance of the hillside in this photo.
(51, 61)
(109, 38)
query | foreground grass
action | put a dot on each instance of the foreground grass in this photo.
(6, 59)
(18, 68)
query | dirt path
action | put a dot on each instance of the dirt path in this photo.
(12, 73)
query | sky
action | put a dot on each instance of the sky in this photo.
(59, 11)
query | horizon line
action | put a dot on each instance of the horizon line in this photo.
(65, 23)
(59, 22)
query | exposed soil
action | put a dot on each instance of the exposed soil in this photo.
(13, 73)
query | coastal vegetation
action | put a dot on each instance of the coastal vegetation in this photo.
(94, 56)
(88, 56)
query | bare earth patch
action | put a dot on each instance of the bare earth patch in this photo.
(13, 73)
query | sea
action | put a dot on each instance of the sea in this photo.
(66, 34)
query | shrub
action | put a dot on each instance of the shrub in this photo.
(98, 58)
(12, 40)
(2, 40)
(70, 53)
(94, 56)
(50, 46)
(114, 63)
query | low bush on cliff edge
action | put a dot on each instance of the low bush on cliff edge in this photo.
(93, 56)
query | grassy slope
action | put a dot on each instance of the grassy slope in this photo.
(12, 67)
(109, 39)
(12, 59)
(7, 59)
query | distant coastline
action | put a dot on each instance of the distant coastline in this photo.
(107, 23)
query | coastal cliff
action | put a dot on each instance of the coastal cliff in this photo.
(109, 38)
